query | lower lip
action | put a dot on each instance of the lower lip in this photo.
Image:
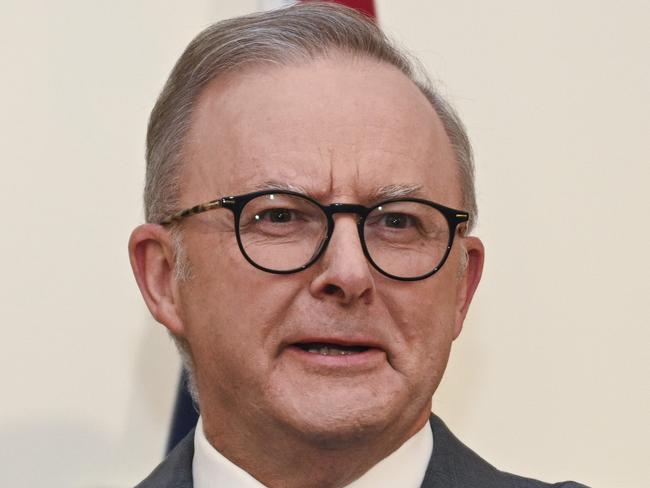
(368, 359)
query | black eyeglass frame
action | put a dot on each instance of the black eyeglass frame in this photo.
(237, 203)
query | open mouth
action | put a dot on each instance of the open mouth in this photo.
(329, 349)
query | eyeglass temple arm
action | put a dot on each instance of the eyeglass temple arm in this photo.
(196, 209)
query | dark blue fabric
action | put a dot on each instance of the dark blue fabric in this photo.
(185, 415)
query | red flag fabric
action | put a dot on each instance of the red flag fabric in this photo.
(364, 6)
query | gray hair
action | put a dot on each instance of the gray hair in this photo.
(286, 36)
(292, 35)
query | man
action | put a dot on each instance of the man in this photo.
(309, 202)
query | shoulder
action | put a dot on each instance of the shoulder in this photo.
(176, 469)
(453, 464)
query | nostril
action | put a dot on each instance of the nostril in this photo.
(331, 289)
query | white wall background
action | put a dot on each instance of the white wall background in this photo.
(550, 377)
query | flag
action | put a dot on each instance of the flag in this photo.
(364, 6)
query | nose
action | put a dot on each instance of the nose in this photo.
(343, 273)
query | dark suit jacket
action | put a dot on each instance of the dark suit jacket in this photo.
(452, 465)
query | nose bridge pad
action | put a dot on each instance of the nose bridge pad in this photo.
(360, 230)
(320, 246)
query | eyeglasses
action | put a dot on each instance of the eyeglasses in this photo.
(285, 232)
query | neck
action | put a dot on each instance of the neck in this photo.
(281, 458)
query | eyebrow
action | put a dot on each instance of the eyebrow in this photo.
(276, 185)
(389, 192)
(386, 192)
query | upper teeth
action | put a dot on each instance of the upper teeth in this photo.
(330, 351)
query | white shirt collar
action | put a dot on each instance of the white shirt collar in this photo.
(404, 468)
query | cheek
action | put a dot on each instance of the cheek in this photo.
(224, 334)
(425, 317)
(431, 345)
(231, 306)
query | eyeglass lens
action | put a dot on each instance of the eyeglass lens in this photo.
(406, 239)
(283, 232)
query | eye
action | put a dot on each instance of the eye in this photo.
(393, 220)
(276, 215)
(397, 221)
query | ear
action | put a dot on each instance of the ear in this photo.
(152, 259)
(469, 279)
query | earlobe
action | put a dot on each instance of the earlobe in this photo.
(152, 260)
(469, 279)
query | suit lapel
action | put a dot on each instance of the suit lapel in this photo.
(453, 464)
(176, 470)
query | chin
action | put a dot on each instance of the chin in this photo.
(333, 431)
(334, 419)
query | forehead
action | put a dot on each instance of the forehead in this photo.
(342, 128)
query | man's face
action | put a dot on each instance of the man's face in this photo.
(342, 129)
